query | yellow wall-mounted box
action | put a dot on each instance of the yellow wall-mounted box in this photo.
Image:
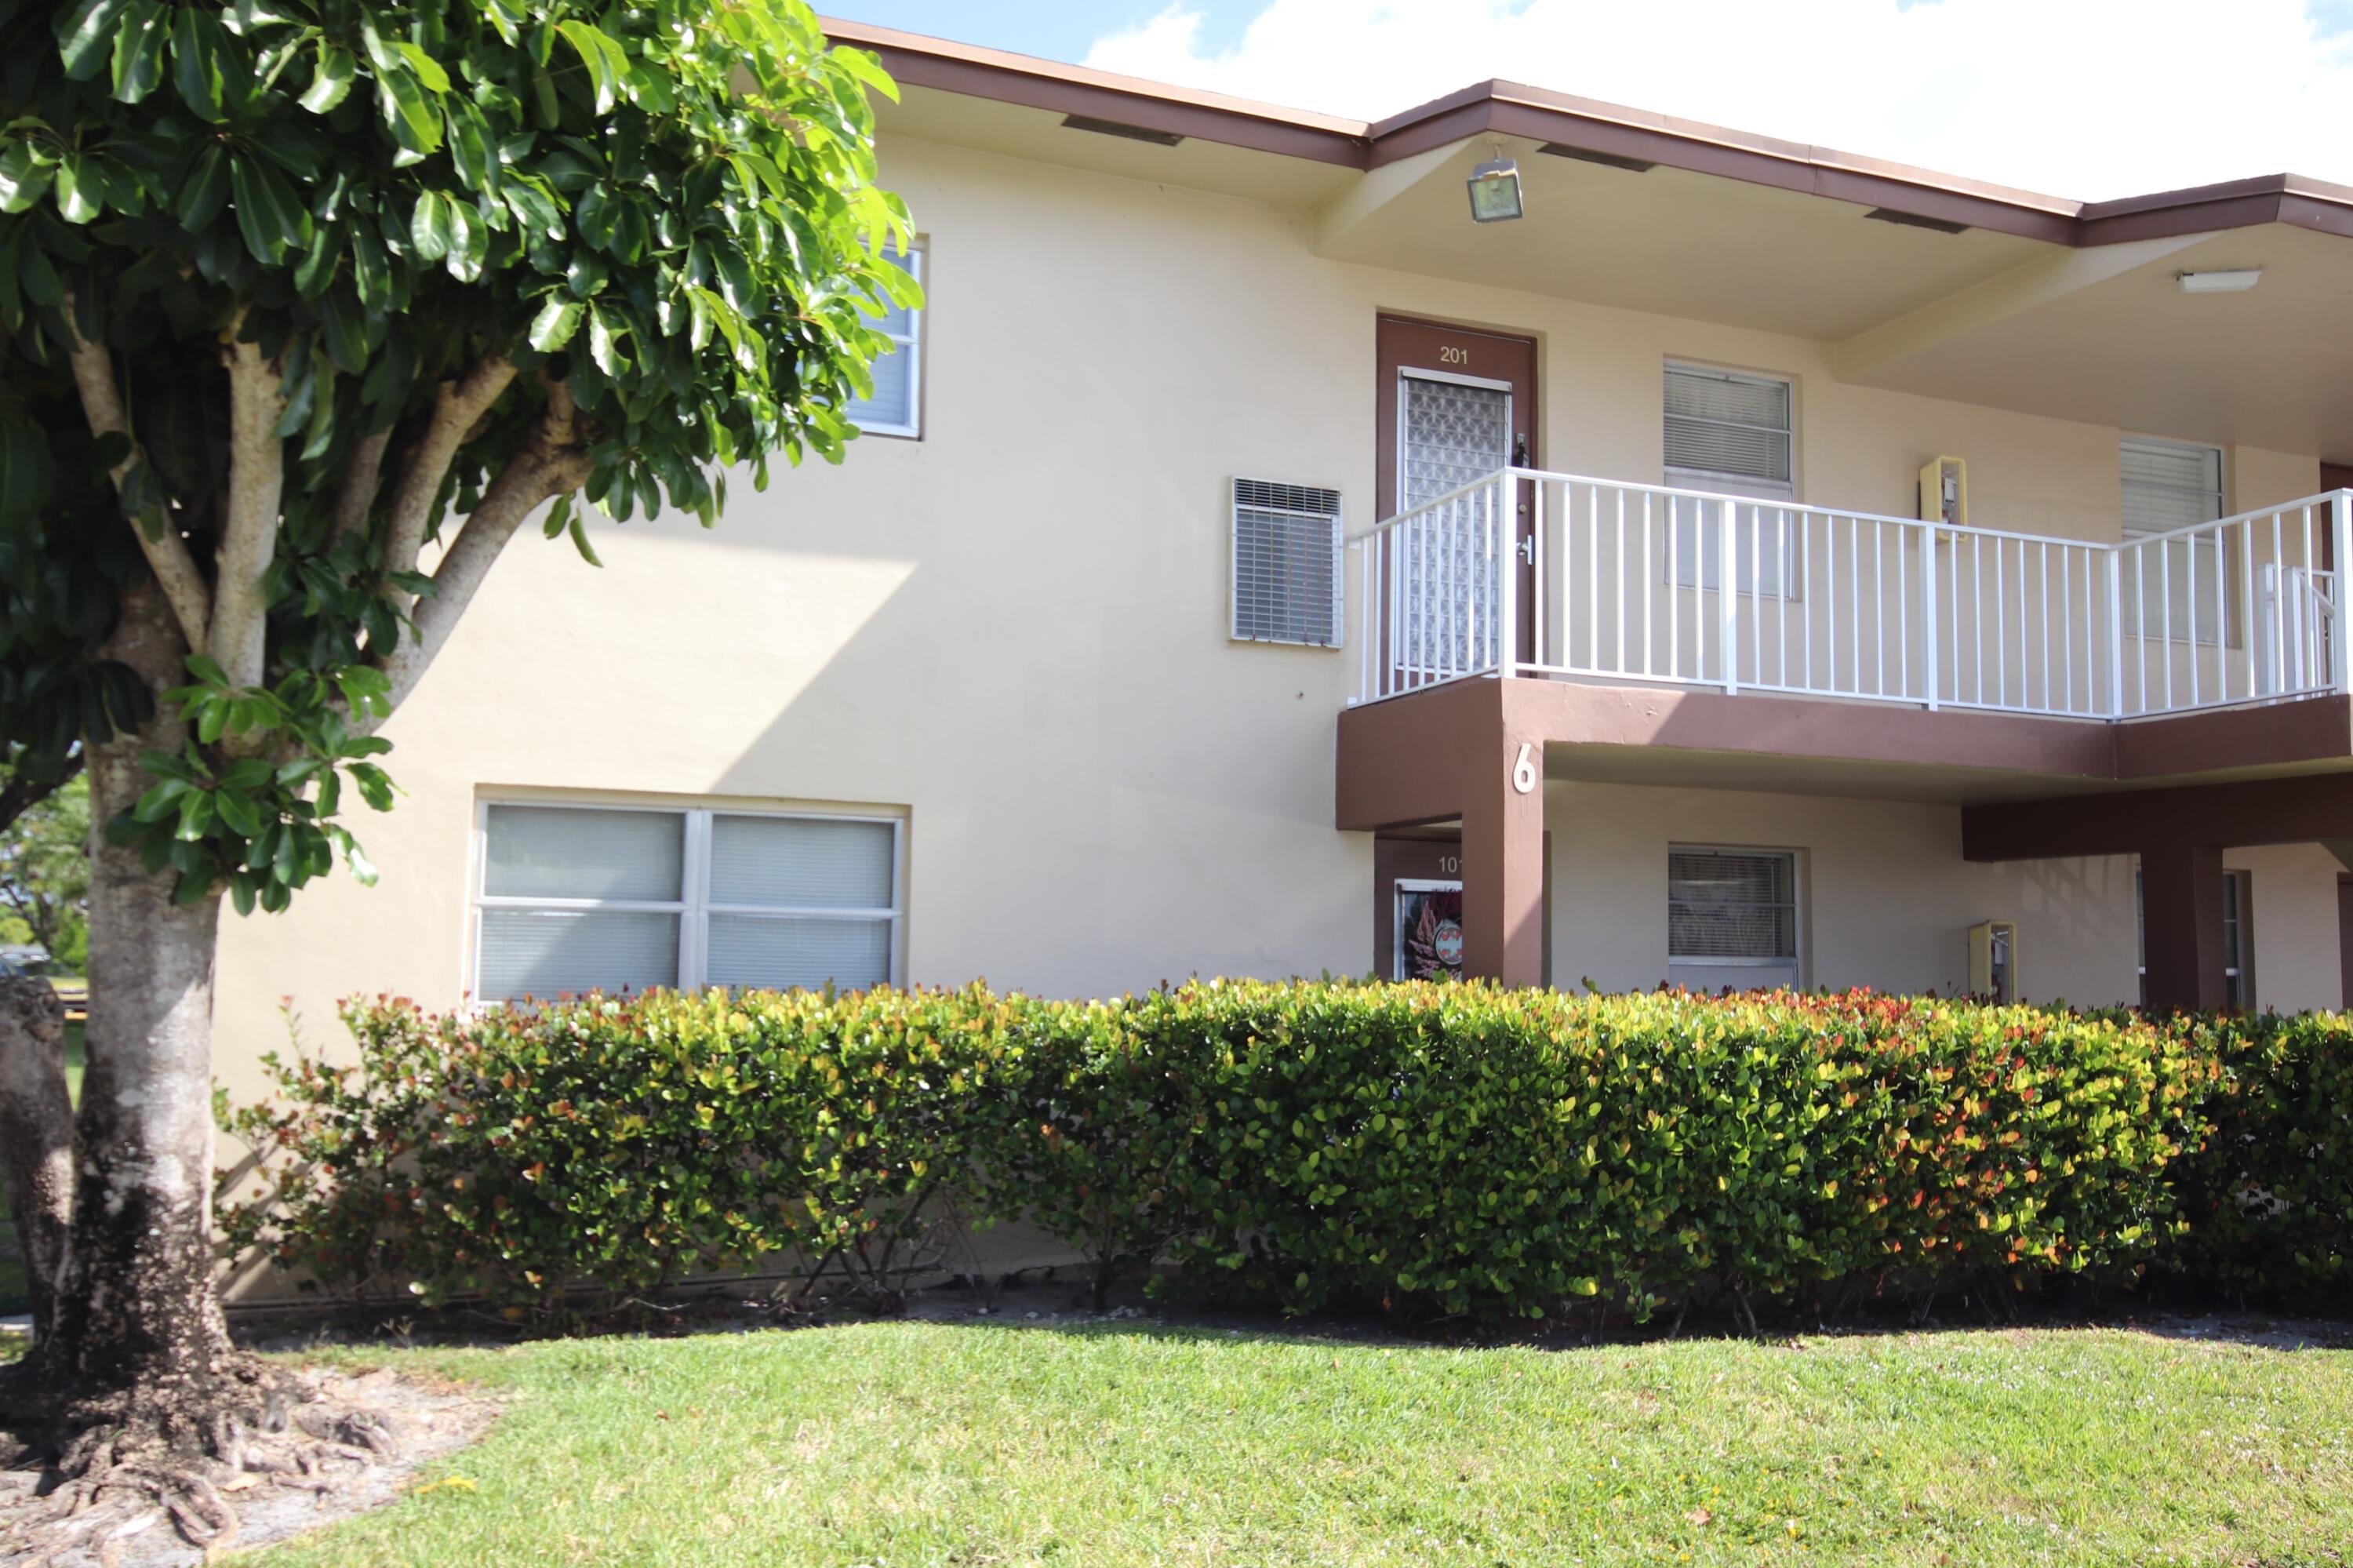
(1945, 492)
(1993, 960)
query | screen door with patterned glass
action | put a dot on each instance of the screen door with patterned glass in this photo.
(1454, 407)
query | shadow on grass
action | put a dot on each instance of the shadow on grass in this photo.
(1061, 1307)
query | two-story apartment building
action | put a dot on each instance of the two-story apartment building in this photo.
(1255, 565)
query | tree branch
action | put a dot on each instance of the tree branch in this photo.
(457, 405)
(248, 533)
(20, 794)
(549, 465)
(357, 492)
(167, 554)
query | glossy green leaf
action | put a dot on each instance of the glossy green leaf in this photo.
(85, 32)
(557, 319)
(330, 79)
(139, 46)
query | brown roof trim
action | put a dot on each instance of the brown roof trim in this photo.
(1515, 109)
(1008, 77)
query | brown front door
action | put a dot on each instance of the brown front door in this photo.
(1418, 905)
(1454, 404)
(2345, 934)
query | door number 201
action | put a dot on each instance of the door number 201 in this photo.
(1449, 355)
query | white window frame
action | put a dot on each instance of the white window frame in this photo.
(1796, 960)
(910, 344)
(1687, 568)
(694, 907)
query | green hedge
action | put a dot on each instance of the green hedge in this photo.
(2270, 1202)
(1453, 1150)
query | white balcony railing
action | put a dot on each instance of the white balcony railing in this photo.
(1525, 573)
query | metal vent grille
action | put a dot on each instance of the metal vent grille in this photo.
(1737, 906)
(1287, 581)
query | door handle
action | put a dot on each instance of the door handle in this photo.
(1526, 550)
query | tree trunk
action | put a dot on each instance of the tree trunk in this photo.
(135, 1324)
(36, 1134)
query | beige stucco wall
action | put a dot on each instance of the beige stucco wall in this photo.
(1886, 899)
(1014, 633)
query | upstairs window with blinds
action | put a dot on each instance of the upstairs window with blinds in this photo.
(896, 409)
(2177, 587)
(1731, 434)
(577, 898)
(1286, 549)
(1727, 907)
(1729, 431)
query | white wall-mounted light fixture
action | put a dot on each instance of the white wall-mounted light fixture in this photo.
(1495, 190)
(2225, 280)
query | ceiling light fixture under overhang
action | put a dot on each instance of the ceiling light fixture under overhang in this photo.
(1495, 190)
(2223, 281)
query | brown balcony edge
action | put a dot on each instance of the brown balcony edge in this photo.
(1403, 760)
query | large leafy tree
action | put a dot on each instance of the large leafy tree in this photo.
(306, 308)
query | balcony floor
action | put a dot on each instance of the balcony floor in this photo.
(1393, 753)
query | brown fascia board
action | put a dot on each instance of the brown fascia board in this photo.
(1006, 78)
(1515, 109)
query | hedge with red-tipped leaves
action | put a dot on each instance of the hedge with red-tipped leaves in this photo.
(1443, 1149)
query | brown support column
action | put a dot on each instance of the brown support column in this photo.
(1503, 862)
(2181, 915)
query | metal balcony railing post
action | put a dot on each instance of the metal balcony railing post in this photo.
(1505, 534)
(2341, 545)
(2116, 632)
(1728, 596)
(1928, 615)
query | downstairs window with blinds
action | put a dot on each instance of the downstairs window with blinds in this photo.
(1731, 434)
(1731, 907)
(1286, 549)
(577, 898)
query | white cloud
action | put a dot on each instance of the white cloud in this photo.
(2082, 98)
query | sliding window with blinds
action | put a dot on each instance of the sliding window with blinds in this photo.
(2167, 485)
(577, 898)
(1733, 911)
(1734, 434)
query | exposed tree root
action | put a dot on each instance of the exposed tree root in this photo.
(106, 1469)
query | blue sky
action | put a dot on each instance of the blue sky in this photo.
(1054, 29)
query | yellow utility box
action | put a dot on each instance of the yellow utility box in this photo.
(1993, 960)
(1945, 492)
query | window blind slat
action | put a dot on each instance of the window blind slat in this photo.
(893, 402)
(548, 953)
(801, 862)
(892, 406)
(569, 852)
(1730, 904)
(1736, 427)
(772, 951)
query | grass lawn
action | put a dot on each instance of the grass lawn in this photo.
(12, 1269)
(907, 1444)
